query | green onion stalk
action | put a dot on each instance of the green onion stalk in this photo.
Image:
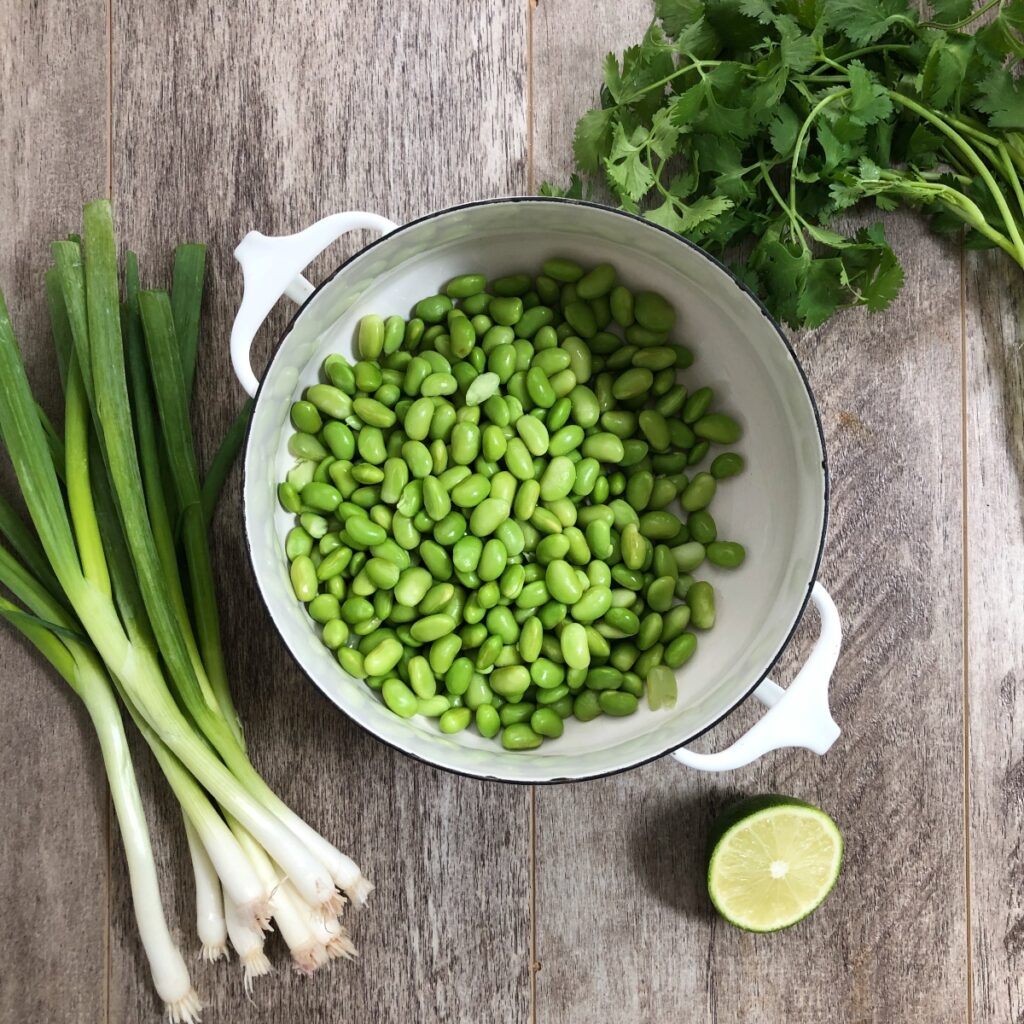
(117, 507)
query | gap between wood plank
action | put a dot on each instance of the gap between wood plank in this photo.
(965, 626)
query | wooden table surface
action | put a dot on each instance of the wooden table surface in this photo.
(498, 904)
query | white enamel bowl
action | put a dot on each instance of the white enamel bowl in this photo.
(777, 508)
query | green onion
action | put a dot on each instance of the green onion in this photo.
(97, 589)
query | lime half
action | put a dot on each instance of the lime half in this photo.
(773, 860)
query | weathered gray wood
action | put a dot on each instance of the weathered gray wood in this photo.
(53, 843)
(229, 117)
(624, 929)
(995, 671)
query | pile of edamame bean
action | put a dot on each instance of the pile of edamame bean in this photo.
(501, 507)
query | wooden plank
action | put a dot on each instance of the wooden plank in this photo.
(995, 511)
(624, 928)
(53, 847)
(232, 117)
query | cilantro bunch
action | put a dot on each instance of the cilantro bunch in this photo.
(750, 125)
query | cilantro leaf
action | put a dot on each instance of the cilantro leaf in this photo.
(612, 78)
(864, 21)
(593, 137)
(574, 190)
(822, 292)
(945, 70)
(628, 171)
(1003, 100)
(664, 134)
(948, 12)
(798, 51)
(675, 15)
(783, 129)
(868, 101)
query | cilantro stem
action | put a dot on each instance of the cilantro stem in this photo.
(975, 160)
(766, 177)
(694, 65)
(973, 16)
(1011, 175)
(800, 138)
(880, 48)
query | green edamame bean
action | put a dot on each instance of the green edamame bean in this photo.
(431, 627)
(546, 722)
(622, 306)
(573, 643)
(632, 384)
(697, 404)
(533, 434)
(531, 636)
(580, 317)
(617, 703)
(662, 691)
(335, 634)
(306, 418)
(383, 658)
(660, 593)
(702, 527)
(329, 400)
(461, 338)
(597, 282)
(455, 720)
(306, 446)
(698, 452)
(701, 600)
(458, 677)
(586, 706)
(303, 578)
(726, 554)
(465, 285)
(719, 428)
(699, 492)
(432, 707)
(726, 465)
(433, 309)
(488, 722)
(655, 429)
(398, 697)
(505, 311)
(563, 270)
(519, 736)
(488, 515)
(370, 338)
(443, 652)
(653, 311)
(680, 650)
(532, 320)
(604, 447)
(689, 556)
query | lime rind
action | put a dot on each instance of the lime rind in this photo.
(773, 862)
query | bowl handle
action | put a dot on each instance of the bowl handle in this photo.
(272, 267)
(798, 716)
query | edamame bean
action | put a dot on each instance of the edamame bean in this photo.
(726, 465)
(519, 736)
(701, 600)
(727, 554)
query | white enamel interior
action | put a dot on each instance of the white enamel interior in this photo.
(777, 508)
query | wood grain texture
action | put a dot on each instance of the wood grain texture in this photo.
(624, 930)
(227, 118)
(995, 514)
(53, 842)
